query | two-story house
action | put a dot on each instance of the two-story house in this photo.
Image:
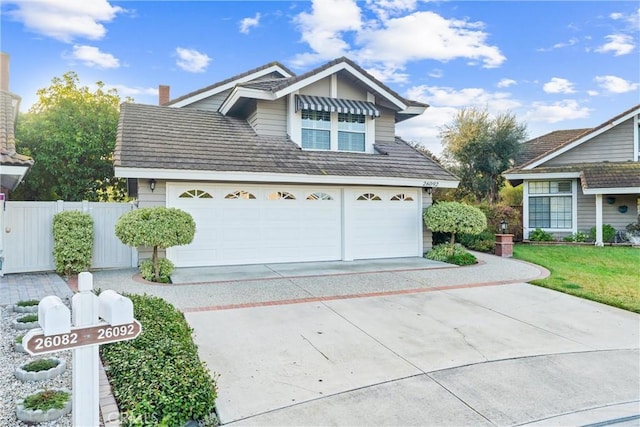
(278, 167)
(581, 178)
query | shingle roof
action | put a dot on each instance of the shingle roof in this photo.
(175, 138)
(599, 175)
(8, 155)
(538, 148)
(229, 80)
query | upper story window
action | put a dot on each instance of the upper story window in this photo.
(316, 130)
(351, 132)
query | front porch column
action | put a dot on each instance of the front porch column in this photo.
(599, 241)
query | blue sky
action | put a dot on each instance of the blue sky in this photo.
(556, 65)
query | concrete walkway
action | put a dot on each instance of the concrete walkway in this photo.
(34, 286)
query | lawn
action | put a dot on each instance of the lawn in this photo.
(610, 275)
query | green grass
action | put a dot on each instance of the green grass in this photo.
(610, 275)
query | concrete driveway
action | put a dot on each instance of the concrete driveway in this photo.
(501, 355)
(424, 345)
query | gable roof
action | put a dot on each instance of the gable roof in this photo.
(537, 151)
(163, 138)
(255, 73)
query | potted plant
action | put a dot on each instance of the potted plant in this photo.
(26, 306)
(17, 344)
(29, 321)
(41, 369)
(44, 406)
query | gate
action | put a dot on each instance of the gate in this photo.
(27, 236)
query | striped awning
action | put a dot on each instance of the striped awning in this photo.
(321, 103)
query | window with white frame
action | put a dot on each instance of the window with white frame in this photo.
(351, 132)
(316, 130)
(550, 204)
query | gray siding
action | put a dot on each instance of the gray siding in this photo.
(348, 90)
(319, 88)
(148, 199)
(211, 103)
(385, 126)
(270, 118)
(614, 145)
(610, 213)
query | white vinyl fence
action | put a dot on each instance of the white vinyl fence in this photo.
(27, 237)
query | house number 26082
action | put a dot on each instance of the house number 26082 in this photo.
(55, 341)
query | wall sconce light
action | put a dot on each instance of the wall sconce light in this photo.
(152, 184)
(428, 190)
(503, 226)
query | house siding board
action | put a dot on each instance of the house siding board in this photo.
(319, 88)
(614, 145)
(610, 213)
(271, 117)
(211, 103)
(347, 90)
(385, 126)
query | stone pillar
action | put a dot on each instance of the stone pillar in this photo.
(504, 245)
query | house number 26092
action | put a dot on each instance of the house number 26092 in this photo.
(116, 331)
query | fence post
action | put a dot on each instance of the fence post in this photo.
(60, 206)
(85, 206)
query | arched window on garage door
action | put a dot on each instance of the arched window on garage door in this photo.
(195, 194)
(319, 196)
(281, 195)
(369, 196)
(240, 194)
(402, 198)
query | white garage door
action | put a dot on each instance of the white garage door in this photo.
(384, 223)
(240, 224)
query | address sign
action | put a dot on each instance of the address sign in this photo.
(35, 342)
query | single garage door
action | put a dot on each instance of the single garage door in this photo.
(241, 224)
(385, 223)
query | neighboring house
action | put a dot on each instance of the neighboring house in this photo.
(13, 166)
(577, 179)
(276, 167)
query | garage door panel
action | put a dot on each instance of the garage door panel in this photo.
(245, 231)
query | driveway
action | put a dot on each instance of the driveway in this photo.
(424, 345)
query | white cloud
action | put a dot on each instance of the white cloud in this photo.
(506, 83)
(593, 93)
(436, 73)
(387, 42)
(440, 96)
(633, 19)
(91, 56)
(134, 91)
(567, 109)
(322, 29)
(191, 60)
(387, 8)
(397, 41)
(572, 41)
(247, 23)
(614, 84)
(558, 85)
(619, 44)
(425, 129)
(65, 20)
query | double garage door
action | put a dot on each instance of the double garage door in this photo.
(251, 224)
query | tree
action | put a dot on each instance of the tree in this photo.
(71, 134)
(454, 218)
(157, 227)
(478, 148)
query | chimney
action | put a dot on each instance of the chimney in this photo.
(4, 71)
(163, 94)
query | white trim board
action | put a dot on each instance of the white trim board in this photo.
(621, 190)
(542, 176)
(257, 177)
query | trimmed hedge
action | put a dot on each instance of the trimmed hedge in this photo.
(72, 242)
(158, 378)
(457, 256)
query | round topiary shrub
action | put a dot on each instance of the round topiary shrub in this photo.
(454, 218)
(157, 228)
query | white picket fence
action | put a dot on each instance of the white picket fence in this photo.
(27, 239)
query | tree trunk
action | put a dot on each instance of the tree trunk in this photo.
(452, 242)
(156, 265)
